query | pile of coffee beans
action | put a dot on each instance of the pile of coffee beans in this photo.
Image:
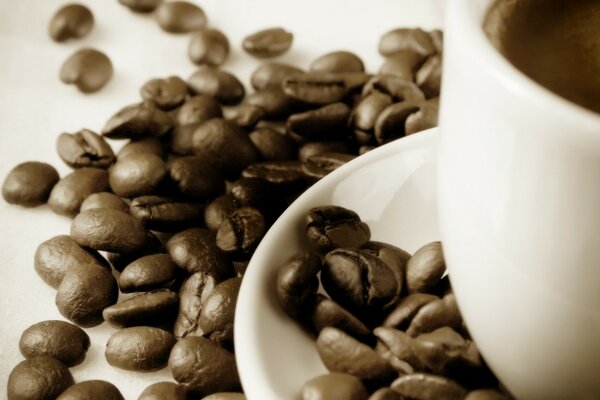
(163, 229)
(387, 325)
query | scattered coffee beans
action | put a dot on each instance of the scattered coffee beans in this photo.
(179, 16)
(88, 69)
(29, 184)
(208, 46)
(38, 378)
(72, 21)
(268, 43)
(92, 390)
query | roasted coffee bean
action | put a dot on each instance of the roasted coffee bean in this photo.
(403, 39)
(391, 122)
(29, 184)
(403, 64)
(318, 166)
(342, 353)
(141, 6)
(195, 250)
(121, 260)
(84, 149)
(203, 367)
(429, 76)
(148, 273)
(425, 268)
(254, 192)
(393, 256)
(314, 148)
(327, 312)
(92, 390)
(182, 139)
(436, 314)
(179, 16)
(154, 308)
(275, 103)
(72, 21)
(192, 295)
(218, 310)
(355, 81)
(316, 87)
(386, 394)
(84, 292)
(241, 231)
(68, 194)
(198, 109)
(398, 349)
(217, 83)
(273, 74)
(400, 89)
(224, 145)
(297, 283)
(338, 61)
(64, 341)
(486, 394)
(406, 309)
(196, 178)
(140, 348)
(137, 175)
(225, 396)
(208, 46)
(217, 210)
(286, 173)
(422, 386)
(366, 112)
(321, 124)
(443, 350)
(425, 118)
(272, 145)
(166, 214)
(108, 230)
(334, 386)
(88, 69)
(147, 145)
(330, 227)
(247, 116)
(104, 200)
(167, 93)
(268, 43)
(163, 391)
(137, 121)
(38, 378)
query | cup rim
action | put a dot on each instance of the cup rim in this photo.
(463, 14)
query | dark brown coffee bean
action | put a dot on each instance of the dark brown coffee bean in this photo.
(342, 353)
(163, 391)
(436, 314)
(217, 83)
(268, 43)
(84, 149)
(137, 121)
(338, 61)
(64, 341)
(318, 166)
(203, 367)
(121, 260)
(406, 309)
(330, 227)
(104, 200)
(241, 231)
(403, 39)
(147, 145)
(394, 257)
(72, 21)
(425, 268)
(196, 178)
(398, 349)
(195, 250)
(137, 175)
(254, 192)
(486, 394)
(218, 310)
(108, 230)
(143, 309)
(403, 64)
(422, 386)
(166, 93)
(366, 112)
(425, 118)
(29, 184)
(92, 390)
(327, 312)
(68, 194)
(166, 214)
(321, 124)
(297, 283)
(247, 116)
(399, 88)
(225, 396)
(192, 295)
(217, 210)
(182, 139)
(38, 378)
(224, 145)
(386, 394)
(429, 76)
(88, 69)
(334, 386)
(140, 348)
(443, 350)
(314, 148)
(179, 16)
(208, 46)
(148, 273)
(282, 173)
(198, 109)
(273, 74)
(272, 145)
(316, 87)
(391, 122)
(275, 103)
(141, 6)
(84, 292)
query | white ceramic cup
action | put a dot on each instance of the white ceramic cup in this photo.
(519, 190)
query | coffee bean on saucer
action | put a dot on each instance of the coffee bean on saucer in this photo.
(137, 121)
(406, 309)
(179, 16)
(428, 387)
(84, 149)
(426, 117)
(38, 378)
(403, 39)
(273, 74)
(154, 308)
(327, 312)
(208, 46)
(72, 21)
(29, 184)
(391, 121)
(69, 193)
(398, 349)
(338, 61)
(88, 69)
(193, 293)
(217, 83)
(167, 93)
(104, 200)
(145, 145)
(92, 390)
(330, 227)
(140, 348)
(216, 317)
(141, 6)
(297, 283)
(137, 175)
(268, 42)
(163, 391)
(436, 314)
(148, 273)
(334, 386)
(425, 268)
(198, 109)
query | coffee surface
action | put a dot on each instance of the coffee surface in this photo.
(554, 42)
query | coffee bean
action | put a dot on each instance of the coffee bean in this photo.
(393, 256)
(273, 74)
(84, 292)
(486, 394)
(64, 341)
(225, 396)
(436, 314)
(108, 230)
(437, 38)
(425, 118)
(403, 64)
(406, 309)
(140, 348)
(318, 166)
(198, 109)
(330, 227)
(268, 43)
(137, 121)
(321, 124)
(181, 139)
(429, 76)
(310, 149)
(72, 21)
(147, 145)
(316, 87)
(297, 283)
(121, 260)
(241, 231)
(274, 102)
(391, 122)
(247, 116)
(141, 6)
(327, 312)
(386, 394)
(38, 378)
(195, 250)
(137, 175)
(366, 112)
(192, 295)
(400, 89)
(196, 178)
(148, 273)
(442, 349)
(69, 193)
(217, 83)
(338, 61)
(422, 386)
(425, 268)
(334, 386)
(208, 46)
(203, 367)
(254, 192)
(153, 308)
(217, 210)
(88, 69)
(84, 149)
(403, 39)
(163, 391)
(167, 93)
(166, 214)
(92, 390)
(286, 173)
(218, 310)
(29, 184)
(398, 349)
(179, 17)
(272, 145)
(104, 200)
